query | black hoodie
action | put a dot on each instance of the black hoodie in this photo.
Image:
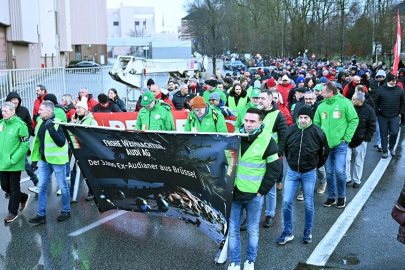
(21, 111)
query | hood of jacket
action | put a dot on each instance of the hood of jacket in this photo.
(12, 95)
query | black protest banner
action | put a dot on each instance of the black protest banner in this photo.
(182, 176)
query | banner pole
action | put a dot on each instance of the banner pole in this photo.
(76, 187)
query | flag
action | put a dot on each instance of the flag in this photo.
(397, 47)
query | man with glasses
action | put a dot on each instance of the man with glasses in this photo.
(363, 134)
(349, 89)
(389, 105)
(204, 118)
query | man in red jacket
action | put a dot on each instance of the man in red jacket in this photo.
(284, 88)
(40, 92)
(350, 88)
(91, 102)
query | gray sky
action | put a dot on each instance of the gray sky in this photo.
(172, 10)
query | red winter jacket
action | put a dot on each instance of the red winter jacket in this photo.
(165, 98)
(284, 90)
(35, 114)
(91, 102)
(349, 89)
(287, 115)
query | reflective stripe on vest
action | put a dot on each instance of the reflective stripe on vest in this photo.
(252, 166)
(236, 108)
(269, 122)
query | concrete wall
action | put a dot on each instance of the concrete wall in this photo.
(47, 28)
(24, 21)
(114, 16)
(88, 19)
(4, 12)
(65, 34)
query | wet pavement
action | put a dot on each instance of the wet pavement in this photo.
(126, 240)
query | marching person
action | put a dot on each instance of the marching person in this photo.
(338, 119)
(155, 114)
(306, 149)
(82, 117)
(14, 138)
(256, 174)
(204, 118)
(24, 114)
(363, 134)
(50, 151)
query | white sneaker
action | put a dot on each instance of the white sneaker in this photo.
(232, 266)
(300, 196)
(59, 192)
(321, 188)
(248, 265)
(34, 189)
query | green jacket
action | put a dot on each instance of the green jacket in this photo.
(337, 117)
(207, 94)
(241, 114)
(14, 144)
(159, 118)
(213, 121)
(60, 114)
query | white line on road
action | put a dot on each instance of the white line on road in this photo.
(97, 223)
(324, 249)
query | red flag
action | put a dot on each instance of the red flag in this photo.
(397, 48)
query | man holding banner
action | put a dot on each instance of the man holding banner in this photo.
(257, 172)
(155, 114)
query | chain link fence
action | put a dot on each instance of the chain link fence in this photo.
(58, 81)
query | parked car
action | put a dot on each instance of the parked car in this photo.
(236, 66)
(86, 66)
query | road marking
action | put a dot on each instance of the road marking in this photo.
(97, 223)
(324, 249)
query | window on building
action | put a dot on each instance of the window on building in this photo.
(78, 48)
(116, 23)
(136, 23)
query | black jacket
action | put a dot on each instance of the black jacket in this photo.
(120, 103)
(178, 100)
(374, 85)
(280, 126)
(305, 149)
(272, 169)
(21, 112)
(112, 107)
(389, 101)
(366, 127)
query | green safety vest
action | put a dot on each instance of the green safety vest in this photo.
(53, 153)
(269, 121)
(236, 108)
(252, 166)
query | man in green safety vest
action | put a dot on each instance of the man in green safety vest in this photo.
(258, 169)
(50, 152)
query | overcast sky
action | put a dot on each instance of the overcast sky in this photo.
(172, 10)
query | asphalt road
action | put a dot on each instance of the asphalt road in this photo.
(126, 240)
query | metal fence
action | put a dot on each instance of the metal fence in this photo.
(58, 81)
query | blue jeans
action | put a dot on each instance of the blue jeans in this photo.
(377, 132)
(291, 182)
(45, 172)
(271, 202)
(253, 211)
(335, 168)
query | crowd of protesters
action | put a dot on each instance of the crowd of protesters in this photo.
(318, 115)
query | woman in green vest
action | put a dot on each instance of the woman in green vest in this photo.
(237, 99)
